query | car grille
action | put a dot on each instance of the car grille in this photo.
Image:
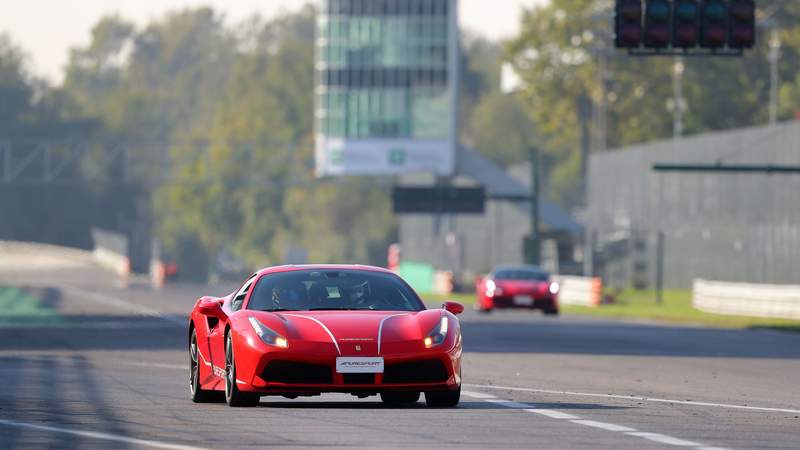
(297, 373)
(359, 378)
(428, 371)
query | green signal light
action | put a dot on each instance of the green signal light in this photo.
(716, 11)
(686, 11)
(658, 11)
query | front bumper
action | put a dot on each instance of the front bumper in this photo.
(504, 302)
(269, 370)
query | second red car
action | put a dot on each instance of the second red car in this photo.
(527, 287)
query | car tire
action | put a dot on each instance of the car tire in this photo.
(400, 398)
(443, 399)
(550, 312)
(233, 396)
(196, 392)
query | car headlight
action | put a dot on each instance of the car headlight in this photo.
(438, 334)
(491, 288)
(267, 335)
(554, 288)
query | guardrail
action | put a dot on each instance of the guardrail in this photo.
(740, 299)
(581, 291)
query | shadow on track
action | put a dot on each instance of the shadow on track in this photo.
(91, 332)
(464, 405)
(610, 338)
(60, 392)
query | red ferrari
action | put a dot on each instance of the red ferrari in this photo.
(526, 287)
(304, 330)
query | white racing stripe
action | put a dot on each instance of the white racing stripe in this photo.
(98, 436)
(634, 398)
(625, 430)
(333, 339)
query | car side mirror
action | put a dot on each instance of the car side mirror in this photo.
(453, 307)
(211, 308)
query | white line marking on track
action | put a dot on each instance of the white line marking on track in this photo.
(122, 304)
(635, 398)
(153, 365)
(509, 403)
(664, 439)
(553, 414)
(603, 425)
(480, 395)
(99, 436)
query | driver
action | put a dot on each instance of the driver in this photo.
(287, 296)
(360, 295)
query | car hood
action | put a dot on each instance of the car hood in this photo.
(361, 333)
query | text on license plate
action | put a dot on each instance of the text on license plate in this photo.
(359, 365)
(523, 300)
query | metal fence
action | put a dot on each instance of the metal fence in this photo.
(731, 227)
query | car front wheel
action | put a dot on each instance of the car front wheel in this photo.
(233, 395)
(443, 399)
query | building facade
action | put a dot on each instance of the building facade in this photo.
(735, 227)
(385, 92)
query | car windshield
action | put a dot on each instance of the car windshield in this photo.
(521, 275)
(321, 290)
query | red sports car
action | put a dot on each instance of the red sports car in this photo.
(526, 287)
(304, 330)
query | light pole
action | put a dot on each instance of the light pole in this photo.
(677, 104)
(774, 59)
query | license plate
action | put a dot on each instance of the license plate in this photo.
(523, 300)
(359, 365)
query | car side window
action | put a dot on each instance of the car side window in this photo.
(238, 299)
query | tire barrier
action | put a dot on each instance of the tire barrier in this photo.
(740, 299)
(580, 291)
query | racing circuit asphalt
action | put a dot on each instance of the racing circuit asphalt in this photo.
(107, 369)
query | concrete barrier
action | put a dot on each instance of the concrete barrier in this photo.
(581, 291)
(111, 252)
(740, 299)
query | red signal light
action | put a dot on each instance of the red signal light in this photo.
(657, 24)
(686, 24)
(628, 24)
(714, 27)
(742, 24)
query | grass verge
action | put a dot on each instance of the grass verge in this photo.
(631, 304)
(677, 308)
(18, 306)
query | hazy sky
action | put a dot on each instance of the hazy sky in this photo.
(46, 29)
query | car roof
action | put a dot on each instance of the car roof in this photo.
(528, 268)
(295, 267)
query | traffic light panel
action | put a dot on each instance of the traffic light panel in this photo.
(742, 32)
(686, 24)
(677, 27)
(628, 24)
(714, 31)
(657, 24)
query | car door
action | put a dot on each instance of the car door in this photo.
(216, 334)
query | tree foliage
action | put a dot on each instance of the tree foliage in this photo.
(557, 56)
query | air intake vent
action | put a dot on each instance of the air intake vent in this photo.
(297, 373)
(429, 371)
